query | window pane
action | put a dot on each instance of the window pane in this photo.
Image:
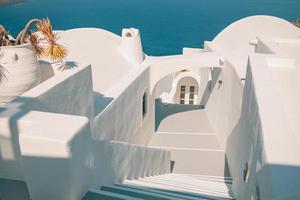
(182, 88)
(191, 101)
(192, 88)
(191, 95)
(182, 95)
(181, 101)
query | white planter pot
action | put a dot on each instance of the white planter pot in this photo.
(21, 69)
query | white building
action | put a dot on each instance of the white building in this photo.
(220, 122)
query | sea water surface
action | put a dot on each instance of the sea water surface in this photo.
(166, 26)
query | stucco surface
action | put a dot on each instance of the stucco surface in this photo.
(190, 121)
(88, 119)
(101, 49)
(58, 94)
(122, 120)
(266, 140)
(79, 162)
(164, 65)
(233, 41)
(69, 92)
(224, 102)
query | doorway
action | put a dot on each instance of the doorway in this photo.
(187, 94)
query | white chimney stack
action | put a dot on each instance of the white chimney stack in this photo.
(131, 45)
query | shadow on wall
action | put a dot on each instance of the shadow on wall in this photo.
(259, 179)
(90, 164)
(215, 74)
(10, 154)
(100, 102)
(13, 190)
(283, 181)
(98, 160)
(47, 68)
(10, 162)
(92, 159)
(163, 110)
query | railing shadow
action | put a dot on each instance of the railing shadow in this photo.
(11, 159)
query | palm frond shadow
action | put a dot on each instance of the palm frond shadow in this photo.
(67, 65)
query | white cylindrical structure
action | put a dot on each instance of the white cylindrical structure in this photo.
(22, 71)
(131, 46)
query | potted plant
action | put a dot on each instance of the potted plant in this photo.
(19, 68)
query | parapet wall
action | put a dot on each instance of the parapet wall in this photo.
(59, 94)
(265, 141)
(63, 163)
(46, 136)
(224, 103)
(122, 119)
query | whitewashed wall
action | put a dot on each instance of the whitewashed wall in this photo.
(60, 94)
(252, 127)
(224, 103)
(68, 92)
(164, 85)
(81, 161)
(63, 161)
(266, 141)
(122, 119)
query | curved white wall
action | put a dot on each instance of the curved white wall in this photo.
(236, 36)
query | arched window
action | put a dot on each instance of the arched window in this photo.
(144, 104)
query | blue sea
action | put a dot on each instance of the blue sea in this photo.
(166, 26)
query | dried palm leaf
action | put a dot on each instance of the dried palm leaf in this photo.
(45, 27)
(56, 52)
(34, 40)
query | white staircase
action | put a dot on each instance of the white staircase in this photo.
(199, 169)
(185, 140)
(193, 153)
(193, 144)
(167, 187)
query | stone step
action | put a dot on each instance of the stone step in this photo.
(174, 194)
(135, 192)
(221, 179)
(167, 187)
(185, 140)
(198, 161)
(93, 194)
(185, 185)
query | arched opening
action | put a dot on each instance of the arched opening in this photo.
(181, 87)
(187, 91)
(144, 104)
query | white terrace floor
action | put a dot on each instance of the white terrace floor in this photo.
(193, 121)
(193, 143)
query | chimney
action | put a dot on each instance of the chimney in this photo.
(131, 45)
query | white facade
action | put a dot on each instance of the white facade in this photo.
(89, 125)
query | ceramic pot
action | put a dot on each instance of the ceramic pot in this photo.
(21, 70)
